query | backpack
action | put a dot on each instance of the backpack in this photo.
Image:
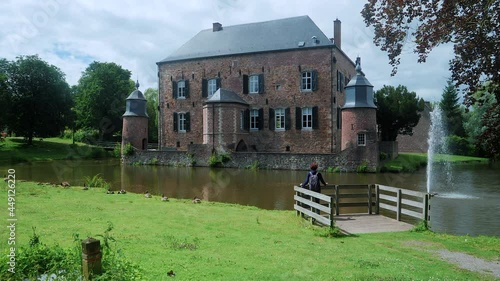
(313, 182)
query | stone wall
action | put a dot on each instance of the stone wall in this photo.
(199, 155)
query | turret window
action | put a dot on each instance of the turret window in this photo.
(361, 139)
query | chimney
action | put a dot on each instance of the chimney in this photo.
(216, 27)
(337, 39)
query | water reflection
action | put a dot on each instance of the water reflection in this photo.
(468, 205)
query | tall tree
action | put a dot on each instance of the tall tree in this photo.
(475, 124)
(452, 111)
(397, 111)
(152, 109)
(470, 25)
(100, 97)
(490, 137)
(39, 95)
(4, 94)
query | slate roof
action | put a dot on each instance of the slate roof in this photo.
(225, 96)
(275, 35)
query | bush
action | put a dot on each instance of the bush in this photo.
(86, 135)
(333, 170)
(128, 149)
(39, 260)
(382, 156)
(459, 146)
(96, 181)
(362, 168)
(218, 159)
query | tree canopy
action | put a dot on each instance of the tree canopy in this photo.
(152, 109)
(452, 111)
(100, 97)
(397, 111)
(38, 96)
(470, 25)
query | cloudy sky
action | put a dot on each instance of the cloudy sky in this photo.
(70, 34)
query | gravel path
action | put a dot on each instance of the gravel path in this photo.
(460, 259)
(471, 263)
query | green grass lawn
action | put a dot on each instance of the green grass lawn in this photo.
(216, 241)
(410, 162)
(15, 150)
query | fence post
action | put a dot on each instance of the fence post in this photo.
(337, 208)
(398, 205)
(377, 199)
(369, 199)
(91, 258)
(332, 224)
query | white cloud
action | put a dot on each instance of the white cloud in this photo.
(137, 34)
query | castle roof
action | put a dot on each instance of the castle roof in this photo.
(275, 35)
(225, 96)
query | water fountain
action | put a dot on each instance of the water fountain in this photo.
(436, 142)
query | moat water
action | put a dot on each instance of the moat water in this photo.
(468, 204)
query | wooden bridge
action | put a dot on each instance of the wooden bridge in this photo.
(363, 208)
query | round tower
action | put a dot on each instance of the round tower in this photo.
(135, 121)
(359, 120)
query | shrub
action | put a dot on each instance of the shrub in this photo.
(458, 145)
(41, 262)
(333, 170)
(383, 156)
(128, 149)
(362, 168)
(96, 181)
(86, 135)
(217, 159)
(117, 150)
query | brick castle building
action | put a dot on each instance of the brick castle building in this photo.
(279, 86)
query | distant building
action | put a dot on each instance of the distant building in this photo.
(279, 86)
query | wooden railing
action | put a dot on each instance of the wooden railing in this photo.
(403, 202)
(322, 207)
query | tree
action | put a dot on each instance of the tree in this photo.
(397, 111)
(453, 118)
(475, 124)
(40, 99)
(101, 97)
(152, 109)
(470, 25)
(4, 94)
(491, 135)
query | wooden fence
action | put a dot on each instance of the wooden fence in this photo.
(322, 207)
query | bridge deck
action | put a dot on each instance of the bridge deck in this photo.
(364, 223)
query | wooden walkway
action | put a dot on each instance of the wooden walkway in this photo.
(325, 208)
(364, 223)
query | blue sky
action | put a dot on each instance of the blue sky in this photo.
(137, 34)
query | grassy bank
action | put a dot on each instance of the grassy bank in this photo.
(215, 241)
(410, 162)
(15, 150)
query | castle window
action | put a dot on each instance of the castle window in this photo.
(254, 119)
(307, 118)
(209, 87)
(182, 122)
(180, 89)
(253, 84)
(309, 81)
(361, 139)
(279, 119)
(212, 87)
